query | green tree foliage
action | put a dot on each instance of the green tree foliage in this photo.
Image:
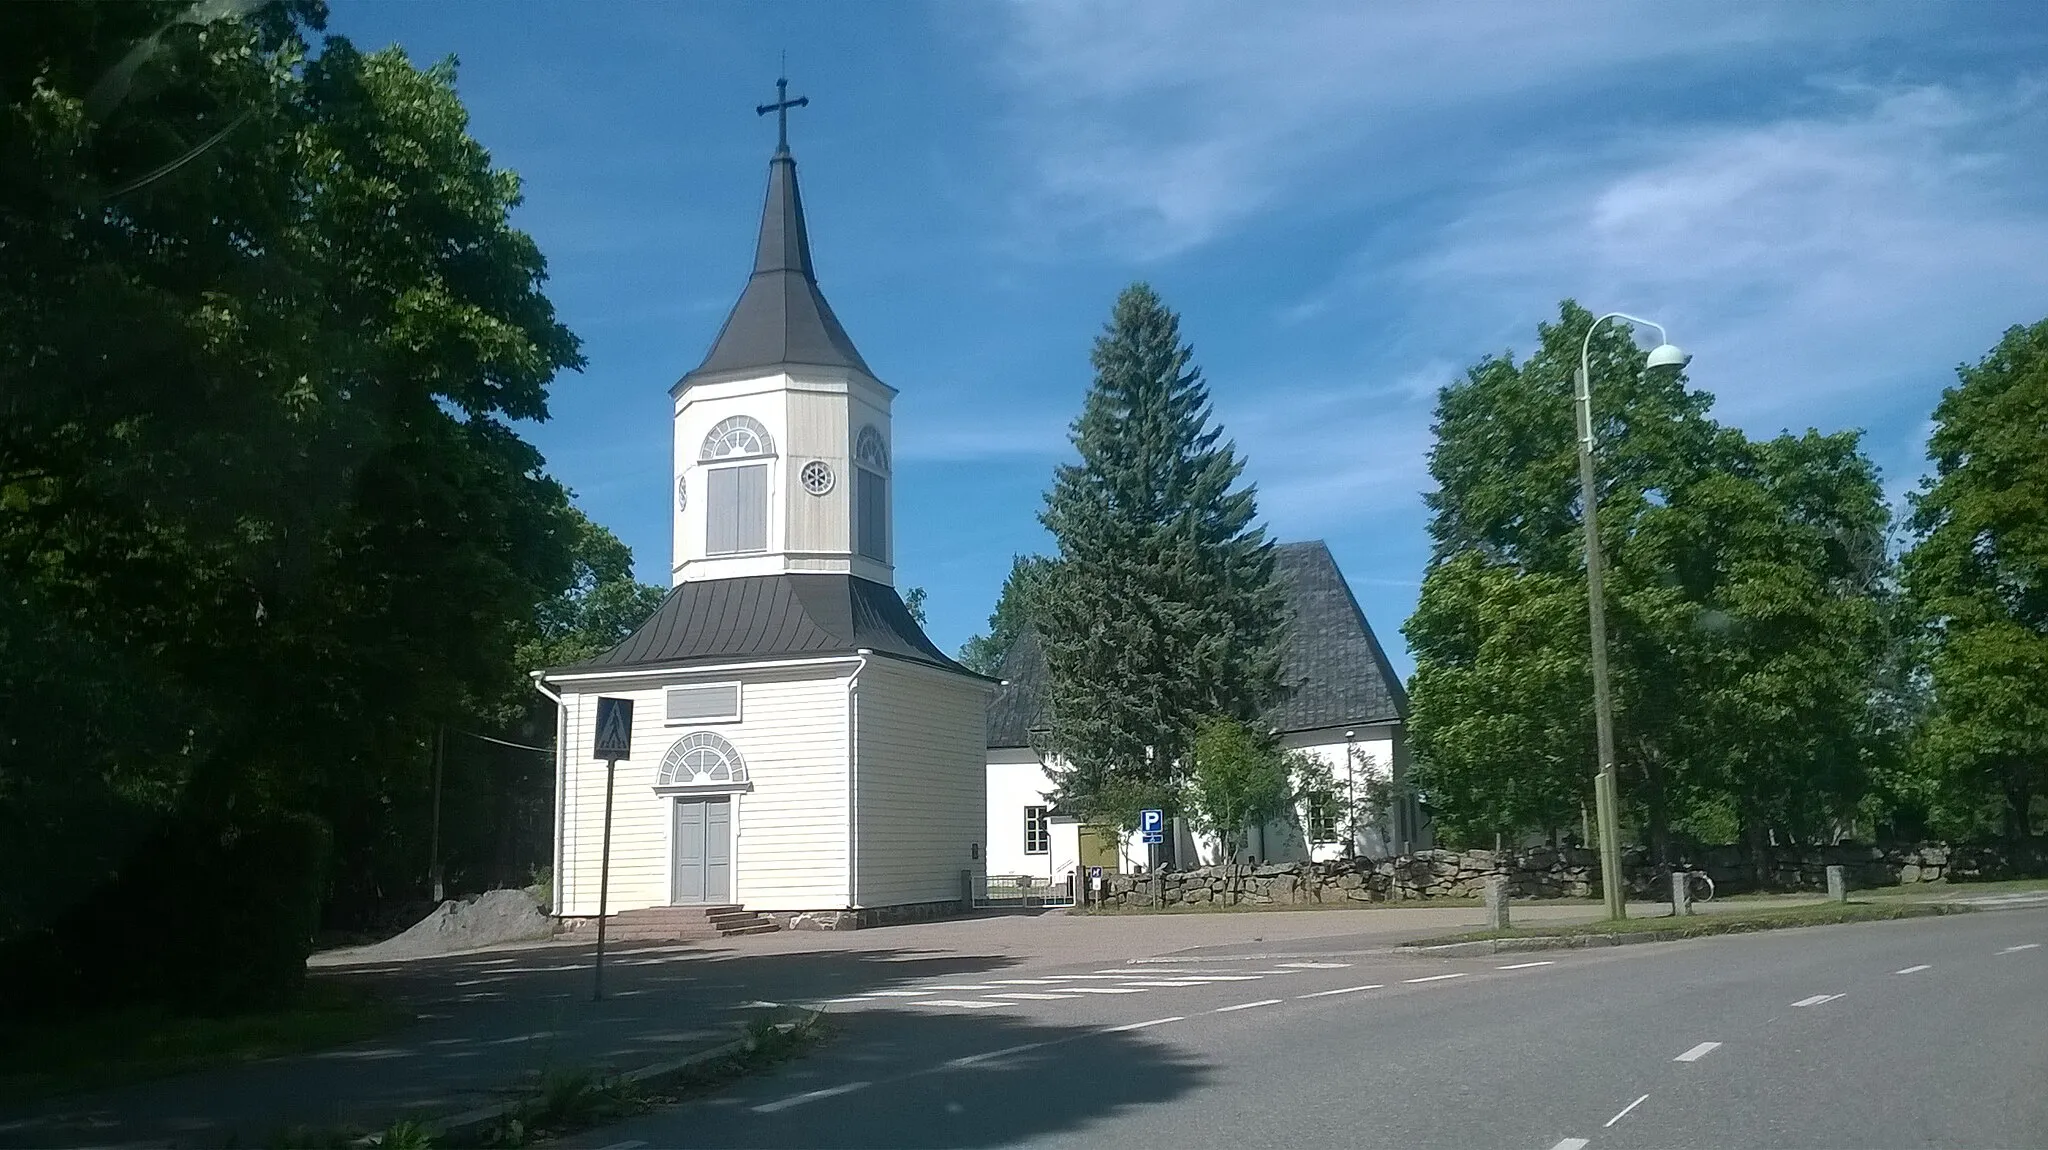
(1239, 779)
(1747, 602)
(1162, 607)
(267, 519)
(1018, 606)
(1978, 577)
(913, 602)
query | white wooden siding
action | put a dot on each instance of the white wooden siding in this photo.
(791, 826)
(817, 430)
(923, 785)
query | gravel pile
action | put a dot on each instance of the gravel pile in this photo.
(493, 917)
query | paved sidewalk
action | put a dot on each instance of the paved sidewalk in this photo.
(491, 1020)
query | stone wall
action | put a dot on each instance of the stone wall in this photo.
(1565, 872)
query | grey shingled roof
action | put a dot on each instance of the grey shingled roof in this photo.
(781, 318)
(769, 616)
(1332, 667)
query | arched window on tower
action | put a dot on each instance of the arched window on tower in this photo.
(871, 494)
(736, 455)
(701, 760)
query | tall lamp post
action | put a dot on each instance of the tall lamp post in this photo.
(1663, 355)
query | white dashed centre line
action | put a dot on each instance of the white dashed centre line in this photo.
(1434, 977)
(1527, 965)
(1571, 1144)
(1698, 1052)
(963, 1003)
(1817, 999)
(2022, 946)
(1315, 965)
(900, 993)
(809, 1096)
(1031, 995)
(1914, 969)
(1625, 1110)
(630, 1144)
(1142, 1025)
(1341, 990)
(1106, 990)
(977, 1059)
(1245, 1005)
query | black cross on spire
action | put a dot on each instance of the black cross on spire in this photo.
(781, 108)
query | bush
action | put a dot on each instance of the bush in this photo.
(205, 916)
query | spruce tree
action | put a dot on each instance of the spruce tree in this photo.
(1162, 607)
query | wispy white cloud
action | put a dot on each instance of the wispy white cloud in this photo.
(1150, 128)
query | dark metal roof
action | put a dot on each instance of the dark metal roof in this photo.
(1016, 705)
(769, 616)
(781, 318)
(1332, 666)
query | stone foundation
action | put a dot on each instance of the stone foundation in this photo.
(1565, 872)
(864, 917)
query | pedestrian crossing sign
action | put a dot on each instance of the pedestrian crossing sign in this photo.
(614, 730)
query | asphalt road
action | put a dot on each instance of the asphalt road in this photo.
(1923, 1033)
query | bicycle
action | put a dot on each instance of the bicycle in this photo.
(1693, 879)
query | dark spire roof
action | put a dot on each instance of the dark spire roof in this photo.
(781, 318)
(1333, 671)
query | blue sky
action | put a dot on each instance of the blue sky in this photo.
(1831, 205)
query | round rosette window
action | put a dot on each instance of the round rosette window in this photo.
(816, 477)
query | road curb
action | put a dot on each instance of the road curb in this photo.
(1486, 946)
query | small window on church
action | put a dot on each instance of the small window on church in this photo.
(704, 703)
(736, 509)
(735, 438)
(1037, 834)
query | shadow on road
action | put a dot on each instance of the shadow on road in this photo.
(932, 1080)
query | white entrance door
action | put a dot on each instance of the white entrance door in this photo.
(703, 838)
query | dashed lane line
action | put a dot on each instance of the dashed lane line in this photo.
(991, 1055)
(1128, 1026)
(1570, 1144)
(2022, 946)
(1435, 977)
(898, 993)
(1031, 996)
(1626, 1109)
(1314, 965)
(1914, 969)
(1527, 965)
(1698, 1052)
(809, 1096)
(1816, 999)
(1105, 990)
(962, 1003)
(1245, 1005)
(1341, 990)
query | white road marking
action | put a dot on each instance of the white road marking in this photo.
(963, 1003)
(1030, 995)
(1177, 982)
(1105, 990)
(1245, 1005)
(1231, 977)
(1914, 969)
(757, 1004)
(629, 1144)
(2022, 946)
(1527, 965)
(899, 993)
(1023, 981)
(808, 1096)
(1142, 1025)
(965, 986)
(1343, 990)
(1817, 999)
(1625, 1110)
(976, 1059)
(1315, 965)
(1434, 977)
(1698, 1052)
(1571, 1144)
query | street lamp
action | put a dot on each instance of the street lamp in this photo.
(1663, 355)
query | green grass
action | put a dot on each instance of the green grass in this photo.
(1667, 927)
(95, 1052)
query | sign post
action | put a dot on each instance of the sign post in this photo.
(614, 742)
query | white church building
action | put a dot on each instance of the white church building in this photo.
(1342, 702)
(799, 747)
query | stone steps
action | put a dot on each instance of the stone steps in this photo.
(680, 924)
